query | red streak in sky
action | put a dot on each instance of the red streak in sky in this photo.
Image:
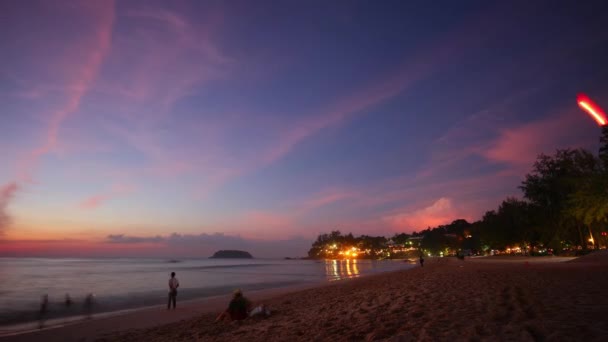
(592, 109)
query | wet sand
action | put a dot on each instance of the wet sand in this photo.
(485, 299)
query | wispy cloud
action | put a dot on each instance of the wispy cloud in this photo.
(7, 192)
(210, 63)
(97, 200)
(160, 58)
(325, 198)
(77, 87)
(80, 71)
(172, 57)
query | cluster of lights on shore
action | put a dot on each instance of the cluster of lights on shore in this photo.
(350, 252)
(346, 252)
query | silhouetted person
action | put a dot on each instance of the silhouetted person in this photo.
(68, 301)
(89, 301)
(421, 261)
(240, 308)
(173, 285)
(44, 307)
(460, 255)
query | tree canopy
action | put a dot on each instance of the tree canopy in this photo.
(564, 207)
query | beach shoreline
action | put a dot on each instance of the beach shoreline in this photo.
(115, 293)
(105, 321)
(81, 328)
(481, 299)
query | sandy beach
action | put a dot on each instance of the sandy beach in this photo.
(485, 299)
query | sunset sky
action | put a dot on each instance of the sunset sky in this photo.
(175, 128)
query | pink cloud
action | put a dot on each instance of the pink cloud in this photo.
(84, 76)
(96, 201)
(393, 204)
(515, 148)
(520, 145)
(442, 211)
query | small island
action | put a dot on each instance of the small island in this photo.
(231, 254)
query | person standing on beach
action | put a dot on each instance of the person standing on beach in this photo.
(44, 305)
(68, 301)
(421, 261)
(173, 285)
(89, 302)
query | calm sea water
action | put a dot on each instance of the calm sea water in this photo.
(132, 283)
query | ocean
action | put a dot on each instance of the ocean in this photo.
(131, 283)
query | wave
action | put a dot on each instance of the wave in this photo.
(133, 300)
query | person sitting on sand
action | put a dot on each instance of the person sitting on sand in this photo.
(239, 308)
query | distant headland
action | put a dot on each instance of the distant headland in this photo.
(230, 254)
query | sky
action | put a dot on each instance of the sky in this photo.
(177, 128)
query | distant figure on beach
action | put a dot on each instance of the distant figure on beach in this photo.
(421, 261)
(44, 307)
(89, 301)
(173, 285)
(239, 308)
(68, 301)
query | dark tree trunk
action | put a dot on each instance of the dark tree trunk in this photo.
(603, 153)
(582, 237)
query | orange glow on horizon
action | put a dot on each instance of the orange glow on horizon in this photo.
(75, 248)
(592, 109)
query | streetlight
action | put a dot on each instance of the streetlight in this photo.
(588, 106)
(592, 109)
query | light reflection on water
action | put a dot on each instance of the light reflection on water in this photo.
(352, 268)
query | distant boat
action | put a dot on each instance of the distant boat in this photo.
(173, 261)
